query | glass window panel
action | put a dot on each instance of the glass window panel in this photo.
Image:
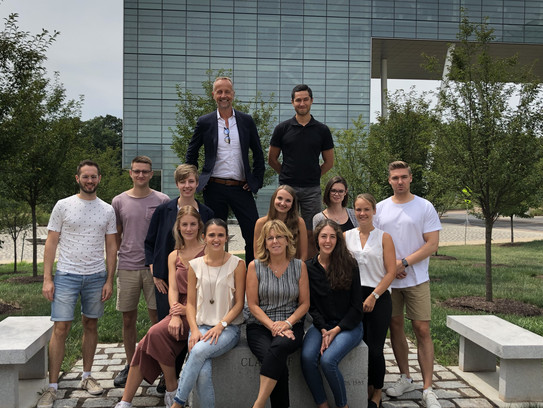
(198, 5)
(174, 4)
(405, 10)
(382, 28)
(382, 9)
(314, 7)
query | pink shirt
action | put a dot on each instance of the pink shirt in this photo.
(134, 214)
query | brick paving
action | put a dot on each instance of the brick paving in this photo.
(110, 359)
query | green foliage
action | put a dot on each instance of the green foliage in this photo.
(191, 106)
(35, 119)
(488, 145)
(407, 134)
(350, 147)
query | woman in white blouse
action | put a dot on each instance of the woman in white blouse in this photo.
(374, 251)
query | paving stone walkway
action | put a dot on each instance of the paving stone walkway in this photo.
(110, 359)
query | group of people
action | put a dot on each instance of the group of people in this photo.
(353, 270)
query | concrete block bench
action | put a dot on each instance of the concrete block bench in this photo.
(23, 353)
(236, 378)
(483, 338)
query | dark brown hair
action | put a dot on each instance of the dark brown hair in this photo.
(331, 182)
(342, 263)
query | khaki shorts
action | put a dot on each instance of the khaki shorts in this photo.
(129, 286)
(415, 300)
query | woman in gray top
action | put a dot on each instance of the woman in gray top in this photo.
(336, 196)
(278, 299)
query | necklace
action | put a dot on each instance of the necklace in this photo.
(276, 270)
(214, 286)
(335, 217)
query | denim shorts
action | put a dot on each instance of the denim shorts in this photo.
(68, 287)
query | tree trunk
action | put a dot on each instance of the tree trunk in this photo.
(488, 254)
(34, 241)
(14, 255)
(512, 235)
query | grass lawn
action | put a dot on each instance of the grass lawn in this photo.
(519, 276)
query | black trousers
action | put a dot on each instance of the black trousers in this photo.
(272, 352)
(376, 326)
(219, 197)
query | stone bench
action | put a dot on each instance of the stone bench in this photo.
(236, 378)
(23, 353)
(483, 338)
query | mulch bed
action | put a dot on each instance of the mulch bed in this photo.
(26, 279)
(503, 306)
(6, 308)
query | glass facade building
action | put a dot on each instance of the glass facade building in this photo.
(272, 45)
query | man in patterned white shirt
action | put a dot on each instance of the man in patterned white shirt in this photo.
(79, 225)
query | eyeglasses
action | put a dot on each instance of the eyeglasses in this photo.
(275, 238)
(227, 133)
(144, 172)
(334, 191)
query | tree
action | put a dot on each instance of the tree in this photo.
(99, 139)
(407, 133)
(14, 218)
(492, 141)
(192, 106)
(35, 117)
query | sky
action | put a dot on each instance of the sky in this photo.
(88, 53)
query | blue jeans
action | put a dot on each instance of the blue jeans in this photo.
(197, 370)
(68, 288)
(344, 342)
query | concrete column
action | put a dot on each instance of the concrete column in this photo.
(384, 86)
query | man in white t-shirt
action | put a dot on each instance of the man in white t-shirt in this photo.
(134, 209)
(414, 226)
(79, 226)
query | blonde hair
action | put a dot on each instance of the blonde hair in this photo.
(262, 253)
(186, 210)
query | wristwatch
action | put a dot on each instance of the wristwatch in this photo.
(224, 324)
(375, 295)
(404, 263)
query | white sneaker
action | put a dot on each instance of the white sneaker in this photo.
(92, 386)
(169, 398)
(47, 399)
(429, 399)
(401, 386)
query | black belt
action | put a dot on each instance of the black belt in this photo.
(226, 182)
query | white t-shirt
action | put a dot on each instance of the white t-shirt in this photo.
(83, 225)
(407, 223)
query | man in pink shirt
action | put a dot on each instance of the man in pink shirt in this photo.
(133, 210)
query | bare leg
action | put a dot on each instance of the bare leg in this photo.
(153, 316)
(170, 377)
(267, 385)
(129, 334)
(377, 395)
(399, 344)
(57, 346)
(90, 340)
(425, 350)
(135, 377)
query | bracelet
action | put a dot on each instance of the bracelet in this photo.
(289, 324)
